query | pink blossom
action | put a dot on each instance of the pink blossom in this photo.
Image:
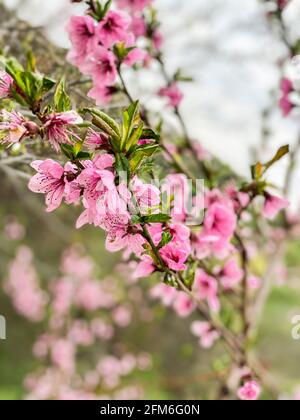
(113, 28)
(157, 39)
(207, 289)
(206, 333)
(180, 233)
(147, 195)
(137, 55)
(80, 333)
(165, 293)
(82, 34)
(273, 205)
(174, 256)
(96, 178)
(240, 200)
(173, 94)
(183, 305)
(102, 329)
(122, 316)
(220, 221)
(6, 83)
(286, 105)
(91, 296)
(95, 140)
(13, 127)
(57, 129)
(134, 5)
(201, 152)
(63, 355)
(286, 86)
(138, 26)
(23, 286)
(102, 66)
(254, 282)
(282, 4)
(231, 274)
(50, 181)
(144, 268)
(250, 391)
(14, 230)
(101, 94)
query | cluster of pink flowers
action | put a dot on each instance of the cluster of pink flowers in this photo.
(80, 312)
(285, 103)
(14, 127)
(93, 49)
(57, 128)
(23, 286)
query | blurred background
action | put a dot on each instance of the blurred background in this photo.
(228, 48)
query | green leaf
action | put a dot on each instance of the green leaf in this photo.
(131, 119)
(142, 152)
(62, 101)
(156, 218)
(47, 84)
(281, 152)
(106, 8)
(257, 171)
(121, 51)
(135, 137)
(149, 134)
(122, 166)
(68, 151)
(135, 219)
(31, 61)
(105, 122)
(84, 155)
(166, 238)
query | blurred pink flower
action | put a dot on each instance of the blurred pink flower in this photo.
(220, 221)
(205, 332)
(206, 288)
(273, 205)
(63, 355)
(183, 305)
(134, 5)
(113, 28)
(250, 391)
(286, 105)
(173, 94)
(231, 274)
(286, 86)
(102, 66)
(174, 256)
(101, 94)
(81, 30)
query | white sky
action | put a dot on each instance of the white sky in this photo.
(227, 47)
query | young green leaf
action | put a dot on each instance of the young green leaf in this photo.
(131, 119)
(106, 123)
(281, 152)
(135, 137)
(62, 101)
(156, 218)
